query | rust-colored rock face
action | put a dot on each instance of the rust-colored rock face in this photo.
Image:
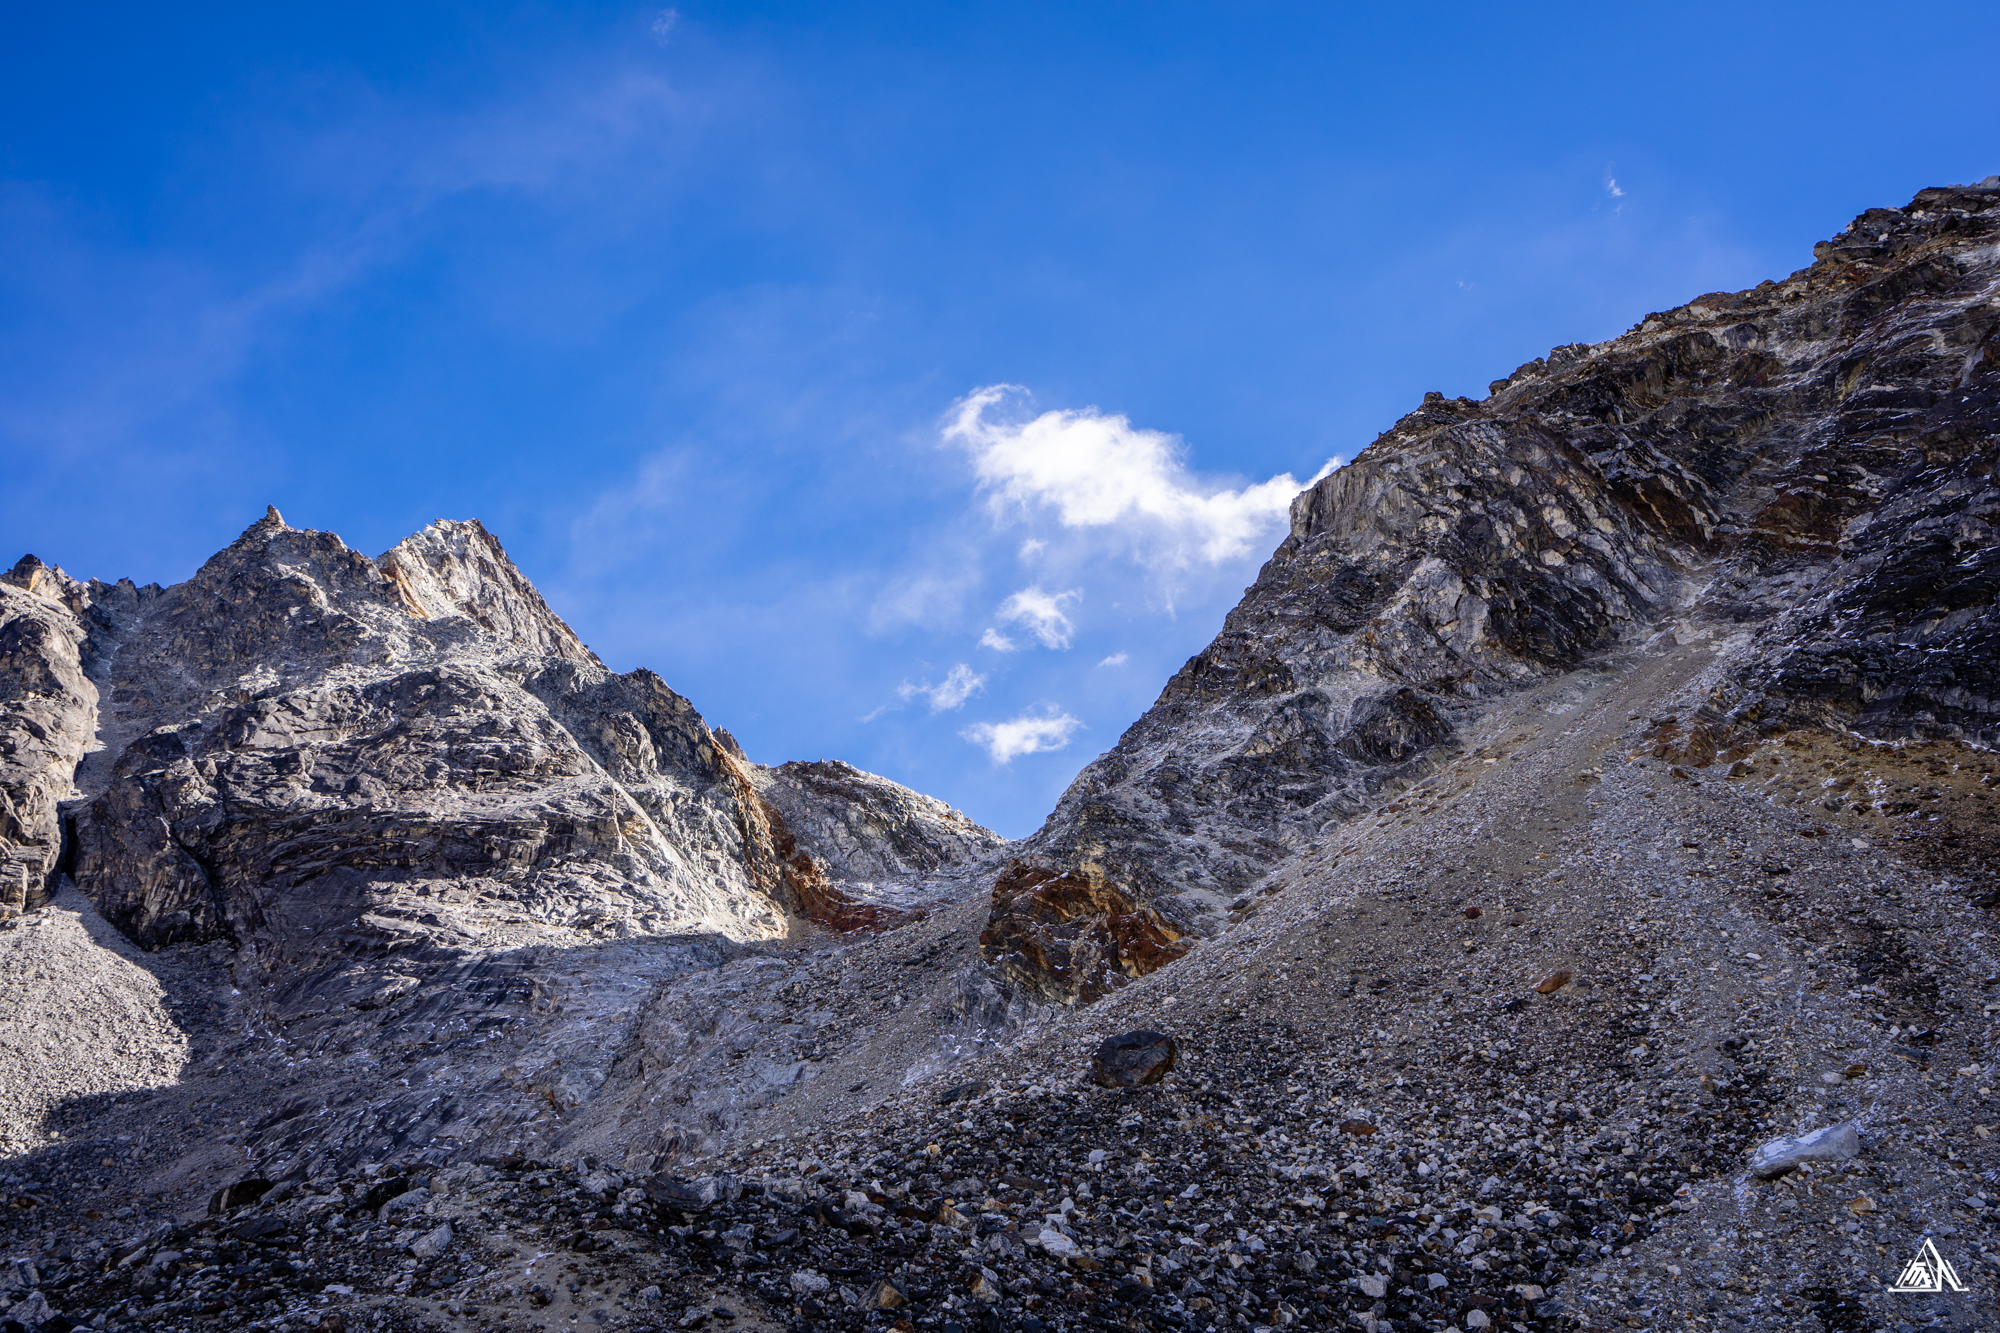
(1072, 936)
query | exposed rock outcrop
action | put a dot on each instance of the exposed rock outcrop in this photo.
(1810, 462)
(48, 710)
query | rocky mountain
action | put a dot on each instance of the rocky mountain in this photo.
(405, 778)
(1804, 469)
(1561, 898)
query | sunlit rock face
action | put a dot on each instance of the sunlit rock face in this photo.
(1805, 468)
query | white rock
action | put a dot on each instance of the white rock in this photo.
(1373, 1287)
(1477, 1319)
(809, 1282)
(1436, 1280)
(1834, 1143)
(432, 1243)
(1057, 1244)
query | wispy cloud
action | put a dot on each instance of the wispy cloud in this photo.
(1030, 733)
(663, 25)
(1040, 614)
(925, 598)
(1611, 187)
(1096, 470)
(997, 641)
(1116, 659)
(959, 684)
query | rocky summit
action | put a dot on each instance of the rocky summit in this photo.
(1561, 898)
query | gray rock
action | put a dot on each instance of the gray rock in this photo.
(1833, 1143)
(32, 1310)
(432, 1243)
(410, 1201)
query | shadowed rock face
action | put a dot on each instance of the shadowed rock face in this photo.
(1809, 462)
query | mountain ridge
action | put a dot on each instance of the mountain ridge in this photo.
(1592, 799)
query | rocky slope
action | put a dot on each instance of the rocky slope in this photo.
(1596, 788)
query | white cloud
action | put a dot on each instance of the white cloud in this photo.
(1116, 659)
(959, 684)
(1031, 546)
(1611, 187)
(997, 641)
(1099, 471)
(663, 25)
(1030, 733)
(1041, 614)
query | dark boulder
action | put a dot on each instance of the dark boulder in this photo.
(1132, 1060)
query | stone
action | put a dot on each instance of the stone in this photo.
(1833, 1143)
(1554, 981)
(809, 1282)
(1132, 1060)
(962, 1092)
(248, 1190)
(406, 1203)
(1372, 1286)
(1056, 1244)
(672, 1192)
(1359, 1129)
(885, 1295)
(1477, 1319)
(432, 1243)
(31, 1311)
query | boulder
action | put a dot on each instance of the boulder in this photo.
(1132, 1060)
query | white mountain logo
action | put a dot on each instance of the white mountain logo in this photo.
(1928, 1272)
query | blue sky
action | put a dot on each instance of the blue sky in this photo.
(913, 385)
